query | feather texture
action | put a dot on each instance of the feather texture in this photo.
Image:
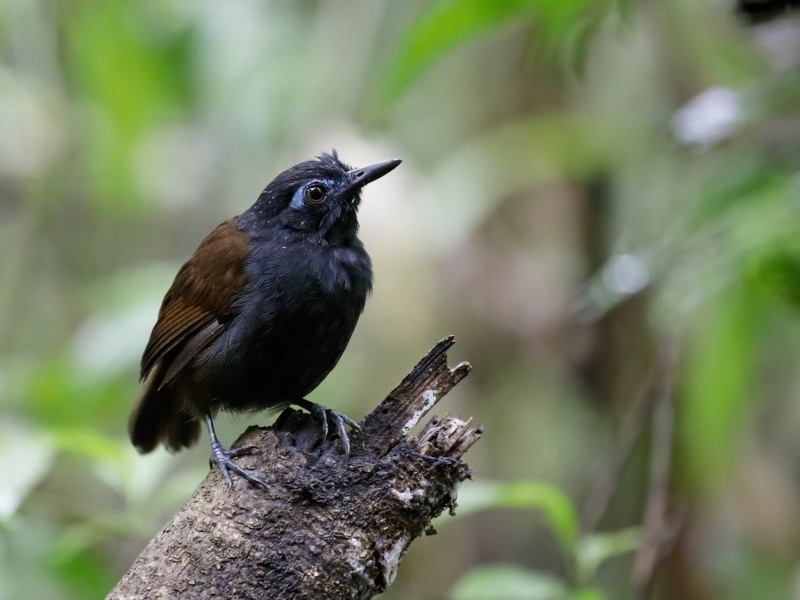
(192, 314)
(203, 292)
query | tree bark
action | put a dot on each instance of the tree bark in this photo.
(325, 527)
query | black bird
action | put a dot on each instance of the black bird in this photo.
(261, 312)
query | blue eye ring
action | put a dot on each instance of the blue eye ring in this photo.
(315, 193)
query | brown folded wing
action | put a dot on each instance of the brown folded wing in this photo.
(203, 292)
(194, 311)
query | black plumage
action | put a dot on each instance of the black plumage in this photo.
(262, 311)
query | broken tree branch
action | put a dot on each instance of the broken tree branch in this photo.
(325, 527)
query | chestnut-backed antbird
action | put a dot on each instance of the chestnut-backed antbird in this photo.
(261, 312)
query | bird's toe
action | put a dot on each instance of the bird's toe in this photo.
(223, 459)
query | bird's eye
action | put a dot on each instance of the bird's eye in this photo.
(315, 193)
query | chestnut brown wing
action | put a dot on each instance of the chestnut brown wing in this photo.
(193, 312)
(202, 294)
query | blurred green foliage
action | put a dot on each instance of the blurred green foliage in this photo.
(560, 28)
(717, 404)
(582, 554)
(131, 67)
(581, 179)
(554, 504)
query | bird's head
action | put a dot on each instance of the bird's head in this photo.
(320, 196)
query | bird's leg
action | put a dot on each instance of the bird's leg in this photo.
(329, 417)
(222, 458)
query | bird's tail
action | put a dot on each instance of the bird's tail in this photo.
(158, 417)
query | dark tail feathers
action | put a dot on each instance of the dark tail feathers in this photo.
(157, 417)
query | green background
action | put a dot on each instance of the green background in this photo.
(582, 180)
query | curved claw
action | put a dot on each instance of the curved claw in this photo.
(318, 413)
(353, 425)
(338, 421)
(222, 458)
(330, 418)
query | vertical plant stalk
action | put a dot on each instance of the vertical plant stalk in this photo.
(605, 486)
(660, 527)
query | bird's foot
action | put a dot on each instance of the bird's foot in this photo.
(223, 459)
(329, 418)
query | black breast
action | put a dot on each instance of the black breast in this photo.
(295, 321)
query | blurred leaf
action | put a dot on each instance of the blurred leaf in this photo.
(25, 457)
(176, 488)
(135, 73)
(82, 536)
(109, 344)
(760, 576)
(594, 549)
(576, 43)
(626, 10)
(559, 17)
(87, 575)
(554, 504)
(24, 570)
(58, 395)
(123, 308)
(94, 446)
(135, 286)
(778, 275)
(445, 25)
(449, 23)
(138, 477)
(590, 594)
(716, 404)
(741, 184)
(506, 582)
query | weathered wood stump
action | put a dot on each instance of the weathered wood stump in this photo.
(324, 527)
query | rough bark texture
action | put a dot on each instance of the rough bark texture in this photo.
(325, 527)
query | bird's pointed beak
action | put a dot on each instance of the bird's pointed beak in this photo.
(364, 175)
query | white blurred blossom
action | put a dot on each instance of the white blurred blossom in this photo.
(625, 274)
(708, 118)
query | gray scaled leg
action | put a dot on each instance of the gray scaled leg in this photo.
(329, 417)
(222, 458)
